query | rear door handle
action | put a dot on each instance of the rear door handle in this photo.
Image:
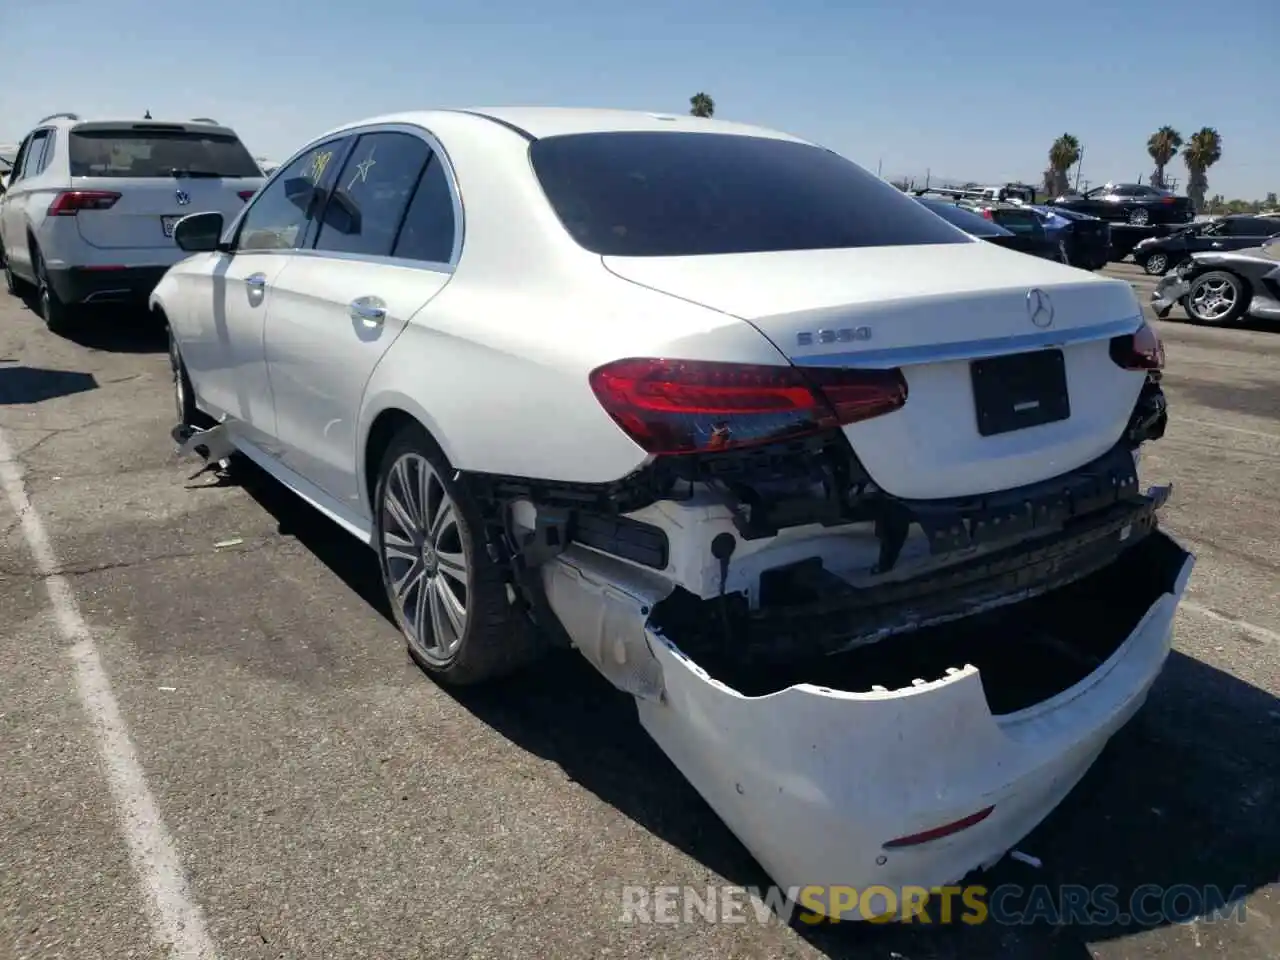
(256, 280)
(369, 310)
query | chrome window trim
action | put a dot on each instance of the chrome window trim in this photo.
(455, 195)
(969, 349)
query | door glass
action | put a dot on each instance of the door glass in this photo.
(279, 212)
(31, 162)
(368, 202)
(428, 231)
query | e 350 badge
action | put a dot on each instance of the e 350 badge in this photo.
(807, 338)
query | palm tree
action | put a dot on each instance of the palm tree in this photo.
(1063, 155)
(1163, 145)
(701, 105)
(1202, 151)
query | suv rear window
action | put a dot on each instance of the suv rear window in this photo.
(135, 152)
(658, 194)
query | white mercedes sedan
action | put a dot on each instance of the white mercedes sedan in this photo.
(847, 500)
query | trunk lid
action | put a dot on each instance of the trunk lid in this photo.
(147, 209)
(933, 311)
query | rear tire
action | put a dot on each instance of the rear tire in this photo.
(448, 595)
(1156, 264)
(57, 315)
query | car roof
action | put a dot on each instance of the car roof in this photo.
(539, 122)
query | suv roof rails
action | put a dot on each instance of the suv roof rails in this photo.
(54, 116)
(205, 120)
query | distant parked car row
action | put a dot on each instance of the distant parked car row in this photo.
(1055, 234)
(1158, 255)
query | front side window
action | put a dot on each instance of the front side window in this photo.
(675, 194)
(278, 215)
(142, 150)
(368, 201)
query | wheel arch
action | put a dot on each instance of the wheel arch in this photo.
(392, 414)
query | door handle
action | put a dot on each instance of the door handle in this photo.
(369, 310)
(256, 280)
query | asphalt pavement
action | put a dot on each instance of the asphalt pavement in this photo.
(212, 742)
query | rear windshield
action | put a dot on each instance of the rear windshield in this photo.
(1017, 221)
(132, 152)
(966, 220)
(658, 194)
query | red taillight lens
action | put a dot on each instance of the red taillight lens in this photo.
(70, 202)
(691, 406)
(1140, 350)
(987, 215)
(246, 194)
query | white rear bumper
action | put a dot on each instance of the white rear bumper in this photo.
(816, 781)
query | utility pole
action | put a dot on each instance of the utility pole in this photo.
(879, 166)
(1079, 167)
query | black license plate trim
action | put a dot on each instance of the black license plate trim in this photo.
(1018, 391)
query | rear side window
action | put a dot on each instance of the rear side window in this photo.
(143, 151)
(429, 226)
(369, 199)
(659, 194)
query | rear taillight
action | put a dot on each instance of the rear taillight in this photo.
(1168, 200)
(1140, 350)
(246, 194)
(70, 202)
(986, 214)
(692, 406)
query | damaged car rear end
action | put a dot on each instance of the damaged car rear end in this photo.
(885, 601)
(846, 499)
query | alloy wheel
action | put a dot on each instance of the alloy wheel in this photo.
(1139, 216)
(1212, 299)
(426, 559)
(1156, 264)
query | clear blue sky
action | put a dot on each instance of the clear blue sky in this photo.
(971, 90)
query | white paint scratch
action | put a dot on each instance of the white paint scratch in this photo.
(1260, 633)
(176, 920)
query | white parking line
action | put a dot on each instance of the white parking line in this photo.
(1260, 633)
(176, 920)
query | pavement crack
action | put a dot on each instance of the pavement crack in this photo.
(81, 570)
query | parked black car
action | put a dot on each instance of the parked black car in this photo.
(1157, 255)
(1130, 203)
(1022, 233)
(1087, 238)
(1220, 287)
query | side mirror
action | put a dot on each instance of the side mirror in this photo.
(198, 232)
(300, 192)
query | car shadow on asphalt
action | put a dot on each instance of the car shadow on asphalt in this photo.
(21, 384)
(115, 328)
(1178, 804)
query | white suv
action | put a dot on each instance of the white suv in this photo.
(89, 211)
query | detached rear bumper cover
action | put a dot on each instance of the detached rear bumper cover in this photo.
(815, 782)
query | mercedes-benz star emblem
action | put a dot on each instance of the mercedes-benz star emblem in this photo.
(182, 197)
(1039, 308)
